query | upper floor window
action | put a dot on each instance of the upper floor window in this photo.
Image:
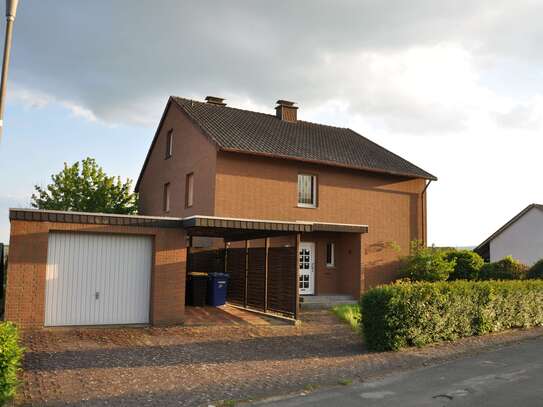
(166, 197)
(307, 191)
(330, 255)
(169, 144)
(189, 190)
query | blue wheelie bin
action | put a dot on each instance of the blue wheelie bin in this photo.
(217, 285)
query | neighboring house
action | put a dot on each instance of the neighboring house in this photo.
(287, 208)
(521, 237)
(210, 159)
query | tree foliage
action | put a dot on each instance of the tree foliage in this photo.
(536, 271)
(507, 268)
(426, 264)
(468, 264)
(85, 187)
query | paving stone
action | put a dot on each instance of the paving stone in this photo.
(194, 366)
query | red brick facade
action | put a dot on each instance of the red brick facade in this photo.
(25, 293)
(240, 185)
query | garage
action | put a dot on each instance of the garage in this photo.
(97, 279)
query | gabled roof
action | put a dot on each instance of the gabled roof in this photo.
(264, 134)
(483, 248)
(256, 133)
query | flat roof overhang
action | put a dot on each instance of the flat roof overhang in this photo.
(232, 229)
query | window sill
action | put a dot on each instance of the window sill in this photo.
(330, 266)
(306, 206)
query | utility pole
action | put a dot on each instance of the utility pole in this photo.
(11, 11)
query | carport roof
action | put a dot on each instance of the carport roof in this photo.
(236, 228)
(198, 225)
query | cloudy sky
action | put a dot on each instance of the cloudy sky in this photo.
(453, 86)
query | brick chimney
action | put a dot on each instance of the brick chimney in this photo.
(214, 100)
(286, 111)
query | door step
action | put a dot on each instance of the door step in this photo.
(325, 301)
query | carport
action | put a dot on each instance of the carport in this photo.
(259, 256)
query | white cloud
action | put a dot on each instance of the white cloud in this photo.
(449, 85)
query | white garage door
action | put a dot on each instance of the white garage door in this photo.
(95, 279)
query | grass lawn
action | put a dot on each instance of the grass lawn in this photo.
(349, 313)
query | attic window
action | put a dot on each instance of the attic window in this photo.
(169, 144)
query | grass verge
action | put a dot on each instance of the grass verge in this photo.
(349, 313)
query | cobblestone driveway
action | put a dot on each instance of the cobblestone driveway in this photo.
(194, 366)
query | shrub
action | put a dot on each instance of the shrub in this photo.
(401, 315)
(10, 360)
(536, 271)
(506, 269)
(426, 264)
(467, 264)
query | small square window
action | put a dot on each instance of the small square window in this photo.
(169, 144)
(307, 191)
(330, 255)
(166, 197)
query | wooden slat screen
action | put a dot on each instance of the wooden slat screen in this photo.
(235, 267)
(256, 279)
(282, 284)
(205, 260)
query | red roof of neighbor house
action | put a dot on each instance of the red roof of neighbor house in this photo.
(250, 132)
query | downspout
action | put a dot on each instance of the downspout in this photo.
(424, 214)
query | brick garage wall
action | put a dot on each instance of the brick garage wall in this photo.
(25, 293)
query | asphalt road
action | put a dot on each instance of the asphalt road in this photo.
(510, 376)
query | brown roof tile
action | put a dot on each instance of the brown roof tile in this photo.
(259, 133)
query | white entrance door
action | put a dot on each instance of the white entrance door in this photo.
(97, 279)
(307, 268)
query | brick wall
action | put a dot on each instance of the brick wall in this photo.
(25, 292)
(266, 188)
(192, 153)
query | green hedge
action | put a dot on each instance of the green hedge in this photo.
(536, 271)
(401, 315)
(507, 268)
(467, 264)
(10, 361)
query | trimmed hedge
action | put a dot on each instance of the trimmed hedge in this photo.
(400, 315)
(10, 361)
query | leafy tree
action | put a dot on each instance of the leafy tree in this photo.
(426, 264)
(468, 264)
(85, 187)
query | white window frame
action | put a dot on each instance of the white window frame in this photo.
(314, 188)
(333, 254)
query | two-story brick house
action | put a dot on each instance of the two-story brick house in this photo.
(287, 208)
(214, 160)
